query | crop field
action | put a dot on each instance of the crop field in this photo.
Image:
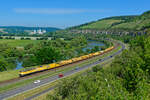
(18, 43)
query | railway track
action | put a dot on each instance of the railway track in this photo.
(46, 71)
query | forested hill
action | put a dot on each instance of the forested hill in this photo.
(121, 23)
(22, 29)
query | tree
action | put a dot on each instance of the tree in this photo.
(96, 68)
(3, 65)
(47, 55)
(29, 46)
(131, 69)
(147, 54)
(95, 49)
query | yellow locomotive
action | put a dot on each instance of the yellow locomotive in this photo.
(62, 63)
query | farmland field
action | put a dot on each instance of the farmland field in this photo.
(16, 43)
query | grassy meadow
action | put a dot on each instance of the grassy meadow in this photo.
(18, 43)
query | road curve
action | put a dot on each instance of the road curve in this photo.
(54, 78)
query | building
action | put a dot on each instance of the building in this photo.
(34, 31)
(38, 32)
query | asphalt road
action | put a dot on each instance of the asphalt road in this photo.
(53, 78)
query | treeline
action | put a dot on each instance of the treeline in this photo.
(62, 34)
(26, 38)
(105, 37)
(126, 79)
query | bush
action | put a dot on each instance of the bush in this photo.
(29, 61)
(96, 68)
(1, 37)
(22, 38)
(3, 65)
(28, 38)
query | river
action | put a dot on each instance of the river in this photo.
(91, 44)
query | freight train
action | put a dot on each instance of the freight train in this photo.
(62, 63)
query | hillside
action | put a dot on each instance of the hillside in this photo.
(22, 29)
(126, 78)
(125, 23)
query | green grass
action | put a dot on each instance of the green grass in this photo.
(7, 75)
(18, 43)
(60, 70)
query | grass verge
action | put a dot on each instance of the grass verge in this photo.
(16, 43)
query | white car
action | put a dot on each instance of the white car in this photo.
(37, 81)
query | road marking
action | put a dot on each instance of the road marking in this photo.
(49, 82)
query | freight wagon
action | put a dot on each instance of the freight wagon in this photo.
(62, 63)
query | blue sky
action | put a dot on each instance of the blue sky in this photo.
(65, 13)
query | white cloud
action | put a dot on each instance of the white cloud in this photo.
(56, 11)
